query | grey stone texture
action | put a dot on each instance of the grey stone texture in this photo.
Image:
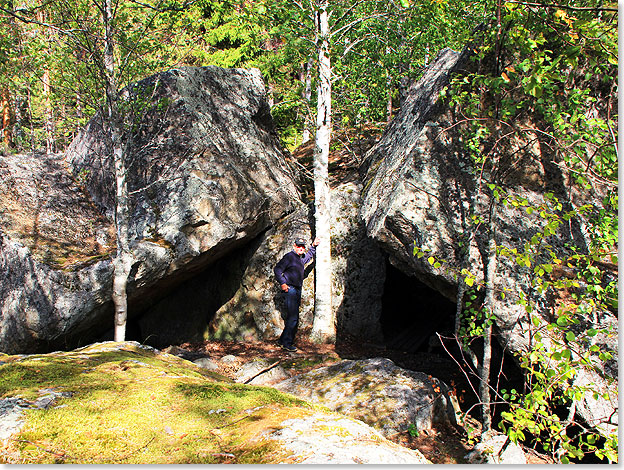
(377, 392)
(256, 310)
(323, 439)
(206, 174)
(420, 191)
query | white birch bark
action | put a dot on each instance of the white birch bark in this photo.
(307, 97)
(324, 325)
(49, 118)
(123, 258)
(47, 101)
(484, 388)
(389, 90)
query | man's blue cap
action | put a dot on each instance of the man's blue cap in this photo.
(300, 242)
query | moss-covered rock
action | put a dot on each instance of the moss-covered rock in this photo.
(131, 404)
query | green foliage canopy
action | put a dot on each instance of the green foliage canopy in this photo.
(548, 78)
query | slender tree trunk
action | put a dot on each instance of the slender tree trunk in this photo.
(459, 301)
(49, 116)
(459, 305)
(307, 98)
(484, 389)
(324, 325)
(389, 91)
(123, 258)
(389, 102)
(31, 120)
(7, 118)
(80, 57)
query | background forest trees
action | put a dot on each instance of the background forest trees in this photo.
(555, 64)
(47, 94)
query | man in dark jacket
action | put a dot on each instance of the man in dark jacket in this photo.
(289, 272)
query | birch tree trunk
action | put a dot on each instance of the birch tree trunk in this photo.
(484, 388)
(307, 97)
(324, 325)
(123, 259)
(49, 118)
(45, 79)
(389, 90)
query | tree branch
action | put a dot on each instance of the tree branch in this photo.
(346, 27)
(563, 7)
(348, 11)
(158, 9)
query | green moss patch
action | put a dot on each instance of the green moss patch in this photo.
(126, 404)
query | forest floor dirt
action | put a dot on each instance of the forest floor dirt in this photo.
(444, 445)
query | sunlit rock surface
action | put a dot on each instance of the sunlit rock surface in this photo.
(377, 392)
(206, 175)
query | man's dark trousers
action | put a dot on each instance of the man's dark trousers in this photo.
(293, 301)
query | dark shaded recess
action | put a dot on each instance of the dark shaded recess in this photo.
(185, 313)
(412, 313)
(179, 308)
(505, 374)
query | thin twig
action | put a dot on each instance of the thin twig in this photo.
(266, 369)
(49, 451)
(563, 7)
(459, 365)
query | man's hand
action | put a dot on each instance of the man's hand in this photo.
(284, 287)
(316, 242)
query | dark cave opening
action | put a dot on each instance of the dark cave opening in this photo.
(412, 313)
(180, 308)
(185, 313)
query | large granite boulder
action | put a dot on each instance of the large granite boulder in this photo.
(206, 175)
(206, 167)
(54, 245)
(419, 190)
(377, 392)
(358, 268)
